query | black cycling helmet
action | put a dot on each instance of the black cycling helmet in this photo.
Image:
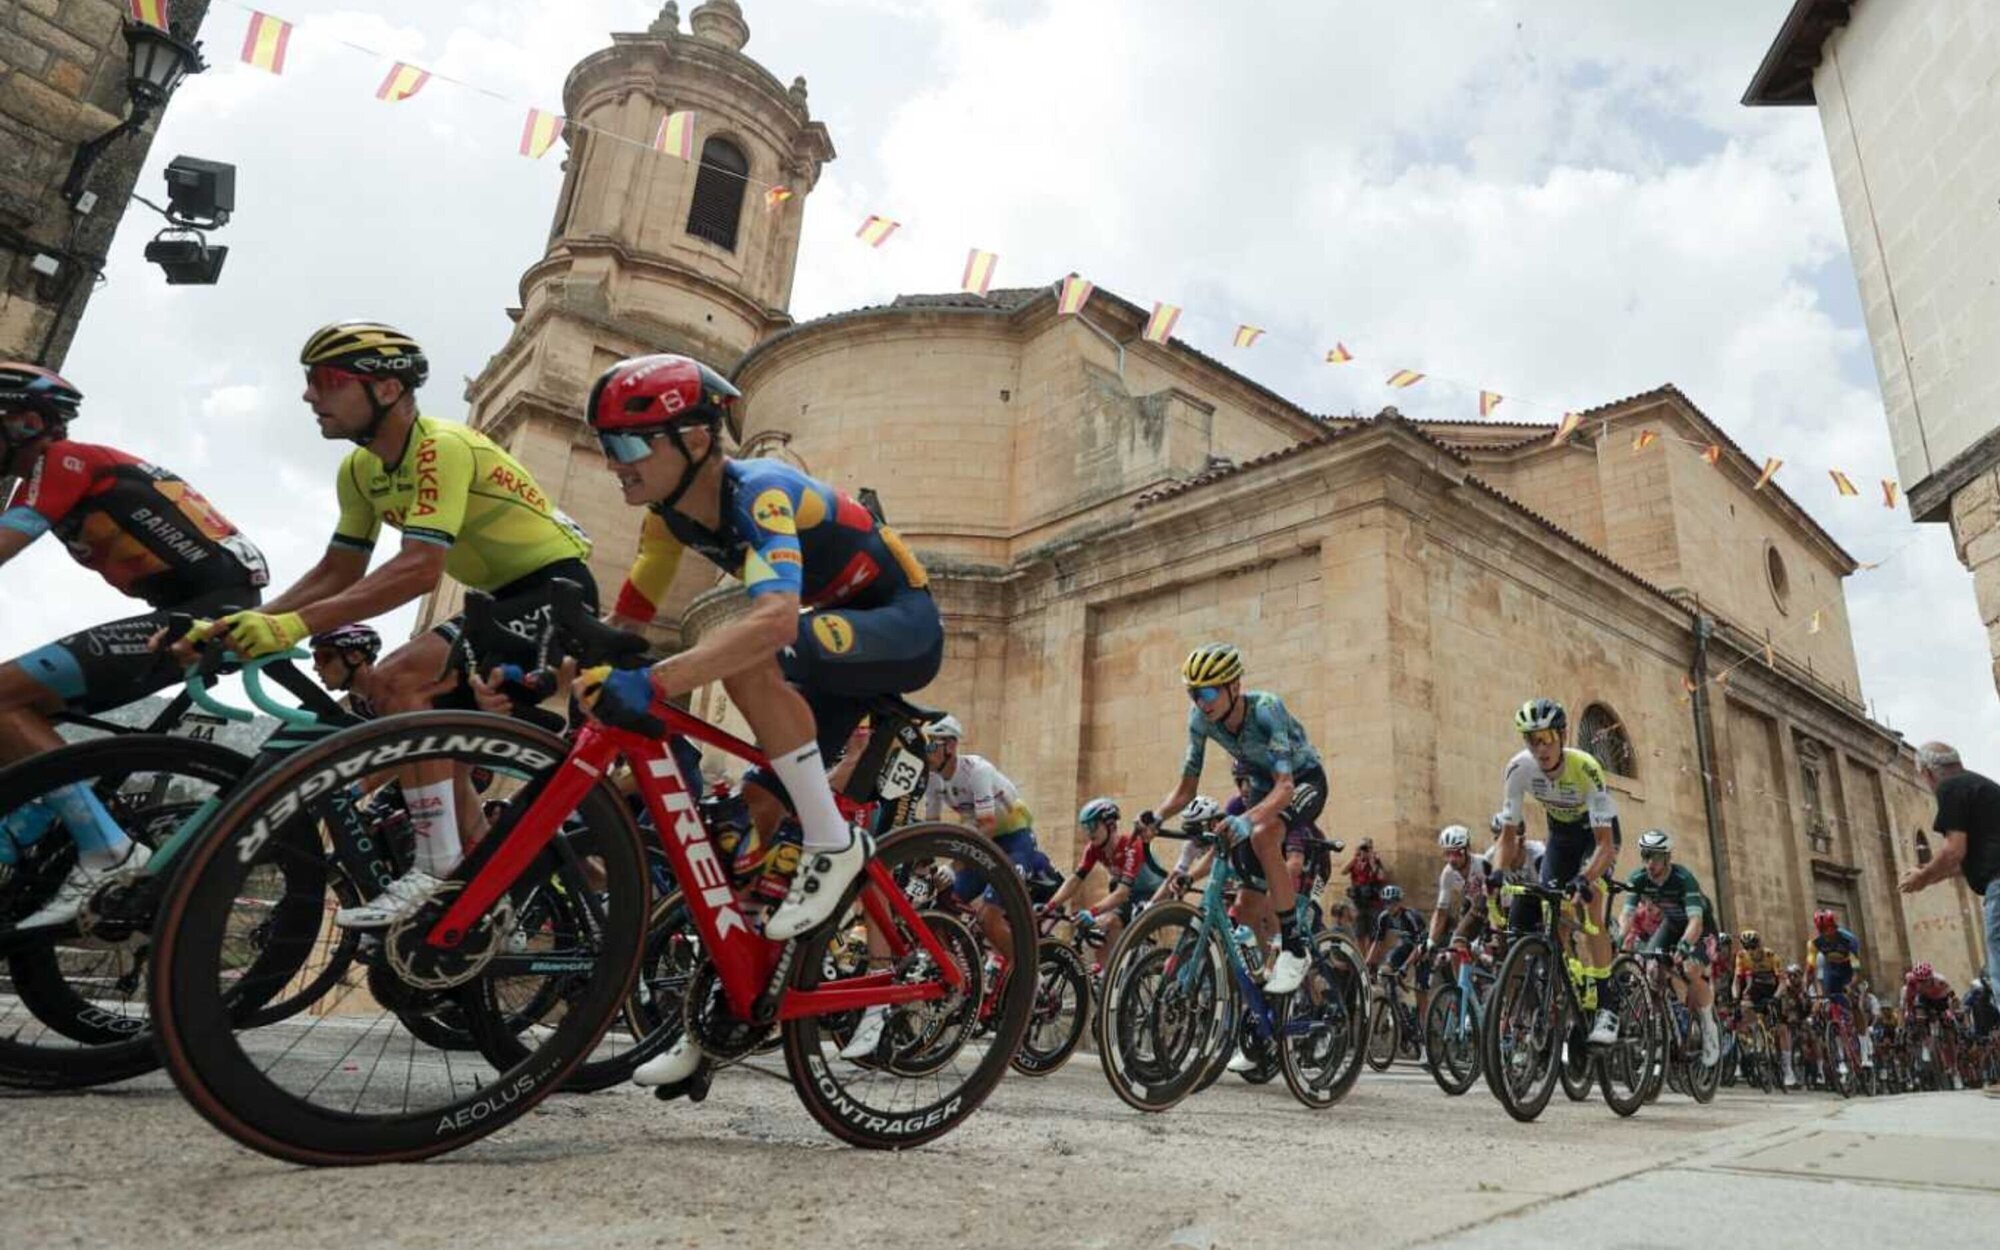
(32, 388)
(357, 637)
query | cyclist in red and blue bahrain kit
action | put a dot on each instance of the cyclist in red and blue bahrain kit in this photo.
(153, 538)
(840, 613)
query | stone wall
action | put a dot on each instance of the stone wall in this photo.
(63, 70)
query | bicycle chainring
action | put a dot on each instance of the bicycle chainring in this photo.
(707, 1018)
(433, 968)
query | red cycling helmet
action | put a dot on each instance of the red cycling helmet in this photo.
(656, 393)
(1825, 921)
(1922, 973)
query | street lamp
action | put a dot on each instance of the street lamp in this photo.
(160, 60)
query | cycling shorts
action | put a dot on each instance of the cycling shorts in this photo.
(1668, 936)
(1029, 861)
(1570, 846)
(109, 665)
(1300, 817)
(1762, 992)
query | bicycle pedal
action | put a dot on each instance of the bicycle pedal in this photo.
(694, 1089)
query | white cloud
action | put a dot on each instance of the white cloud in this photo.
(1561, 200)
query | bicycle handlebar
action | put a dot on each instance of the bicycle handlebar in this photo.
(570, 631)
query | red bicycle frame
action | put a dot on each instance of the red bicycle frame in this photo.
(746, 960)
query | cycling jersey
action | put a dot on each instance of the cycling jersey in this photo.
(977, 789)
(1835, 955)
(1123, 856)
(1573, 793)
(1759, 965)
(138, 526)
(1271, 741)
(1934, 995)
(1399, 925)
(454, 487)
(1678, 897)
(1464, 890)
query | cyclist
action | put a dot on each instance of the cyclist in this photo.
(1287, 787)
(153, 538)
(1838, 953)
(465, 508)
(1683, 928)
(1757, 973)
(1462, 897)
(1794, 1012)
(344, 659)
(1125, 858)
(1399, 931)
(1924, 990)
(1583, 833)
(1199, 817)
(840, 614)
(1521, 912)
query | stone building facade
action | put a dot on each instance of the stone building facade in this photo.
(1906, 99)
(63, 72)
(1092, 505)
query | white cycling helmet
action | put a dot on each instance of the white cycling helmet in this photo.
(1656, 842)
(1454, 838)
(1201, 811)
(945, 729)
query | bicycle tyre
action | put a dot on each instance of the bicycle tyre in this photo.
(1060, 977)
(1383, 1042)
(197, 1033)
(1529, 971)
(819, 1087)
(1453, 1063)
(1623, 1069)
(1577, 1070)
(1127, 1018)
(1333, 993)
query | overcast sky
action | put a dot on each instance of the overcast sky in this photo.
(1556, 199)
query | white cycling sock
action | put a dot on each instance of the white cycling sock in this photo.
(804, 775)
(434, 817)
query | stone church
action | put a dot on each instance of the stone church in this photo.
(1092, 505)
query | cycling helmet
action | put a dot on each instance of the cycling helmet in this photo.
(1392, 893)
(1750, 939)
(370, 349)
(1922, 973)
(1453, 838)
(1825, 921)
(1212, 664)
(1095, 811)
(1201, 811)
(661, 394)
(1656, 842)
(31, 387)
(1794, 970)
(350, 638)
(1541, 714)
(945, 729)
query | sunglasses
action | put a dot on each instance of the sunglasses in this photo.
(1543, 738)
(328, 378)
(1656, 857)
(1205, 694)
(22, 426)
(627, 448)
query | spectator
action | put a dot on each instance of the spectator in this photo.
(1968, 818)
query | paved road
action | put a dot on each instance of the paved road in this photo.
(1052, 1163)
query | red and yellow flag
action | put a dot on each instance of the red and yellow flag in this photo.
(1888, 493)
(1712, 453)
(978, 277)
(1247, 336)
(1841, 483)
(876, 230)
(675, 136)
(150, 13)
(1771, 467)
(1075, 294)
(774, 196)
(1339, 355)
(1566, 428)
(1488, 401)
(1403, 379)
(1160, 326)
(1646, 439)
(539, 134)
(264, 43)
(402, 82)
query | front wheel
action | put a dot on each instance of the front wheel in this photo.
(1061, 1011)
(1450, 1042)
(1625, 1067)
(1319, 1026)
(1383, 1034)
(1169, 1008)
(1530, 1016)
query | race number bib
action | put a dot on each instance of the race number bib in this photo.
(901, 773)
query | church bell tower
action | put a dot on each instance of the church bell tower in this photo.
(650, 253)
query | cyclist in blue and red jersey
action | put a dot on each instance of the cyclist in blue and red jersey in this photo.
(840, 614)
(152, 537)
(1836, 952)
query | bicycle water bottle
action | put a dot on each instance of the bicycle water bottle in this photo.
(22, 828)
(1253, 950)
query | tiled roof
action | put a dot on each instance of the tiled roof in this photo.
(1006, 299)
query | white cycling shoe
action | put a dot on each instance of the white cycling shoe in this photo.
(678, 1064)
(867, 1034)
(80, 884)
(823, 876)
(1287, 971)
(400, 898)
(1605, 1031)
(1240, 1062)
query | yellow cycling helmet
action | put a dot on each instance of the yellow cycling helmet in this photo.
(370, 348)
(1213, 664)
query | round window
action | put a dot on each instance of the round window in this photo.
(1780, 580)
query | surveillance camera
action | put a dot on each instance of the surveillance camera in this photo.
(186, 258)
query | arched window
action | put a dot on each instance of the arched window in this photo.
(718, 193)
(1600, 732)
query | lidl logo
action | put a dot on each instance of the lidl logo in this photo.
(834, 633)
(773, 511)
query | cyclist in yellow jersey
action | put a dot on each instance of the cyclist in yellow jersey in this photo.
(464, 507)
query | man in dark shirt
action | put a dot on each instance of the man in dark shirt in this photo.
(1968, 817)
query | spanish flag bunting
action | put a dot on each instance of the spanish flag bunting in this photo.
(1488, 401)
(876, 230)
(978, 278)
(539, 134)
(1770, 656)
(1403, 379)
(1339, 355)
(1075, 294)
(1247, 336)
(1814, 627)
(1568, 427)
(675, 136)
(774, 196)
(1771, 466)
(1841, 483)
(1712, 452)
(1888, 493)
(1160, 326)
(264, 43)
(1646, 439)
(150, 13)
(402, 82)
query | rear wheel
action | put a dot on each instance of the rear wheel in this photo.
(1061, 1010)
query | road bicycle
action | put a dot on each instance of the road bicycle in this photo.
(1454, 1021)
(1395, 1030)
(1064, 993)
(1679, 1064)
(354, 1084)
